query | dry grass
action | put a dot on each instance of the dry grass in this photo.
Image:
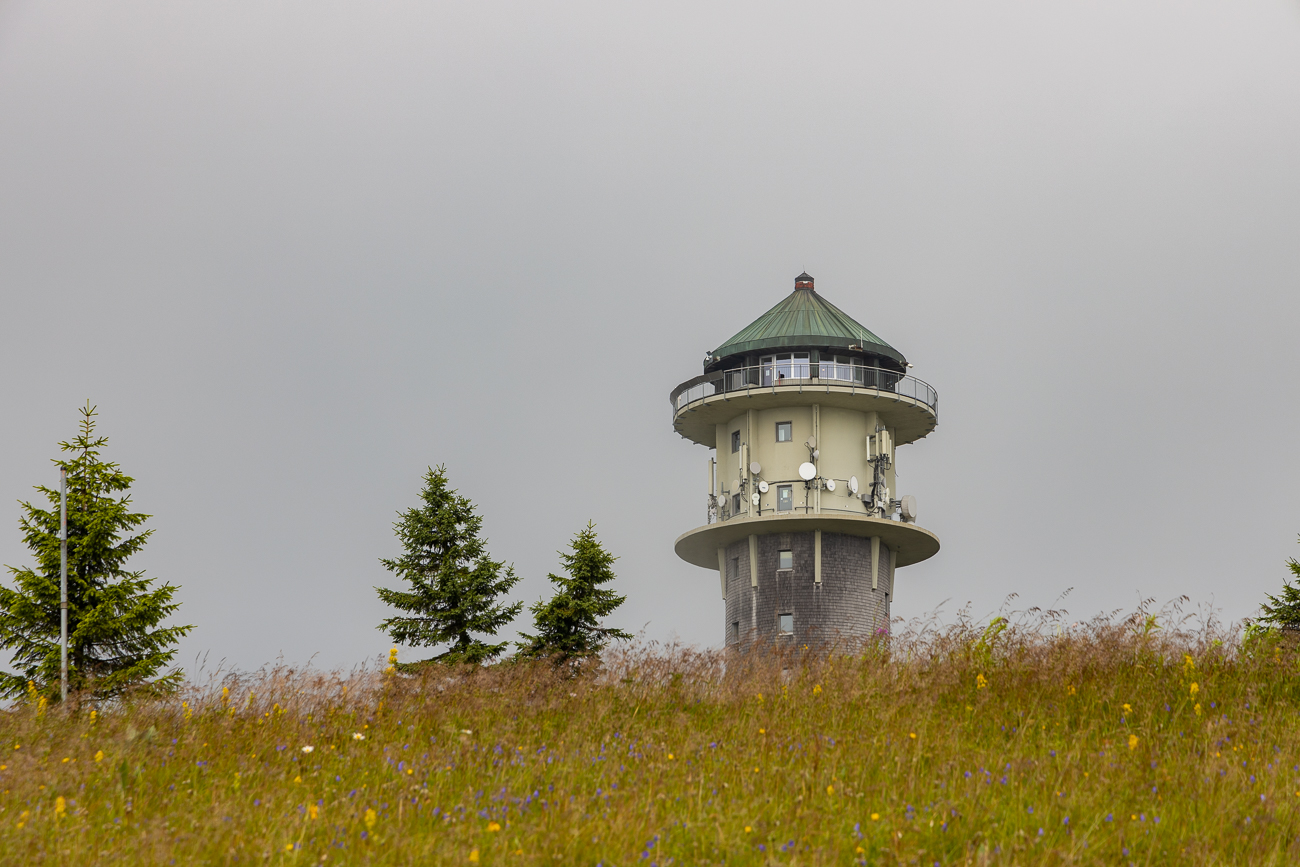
(951, 745)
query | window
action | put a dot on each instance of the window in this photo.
(784, 498)
(735, 630)
(777, 368)
(735, 441)
(735, 568)
(735, 504)
(785, 560)
(785, 624)
(784, 432)
(837, 367)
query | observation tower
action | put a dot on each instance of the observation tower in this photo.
(803, 411)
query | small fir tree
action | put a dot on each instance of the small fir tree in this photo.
(568, 625)
(1283, 612)
(114, 640)
(454, 584)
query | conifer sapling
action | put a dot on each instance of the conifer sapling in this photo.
(454, 584)
(568, 625)
(114, 640)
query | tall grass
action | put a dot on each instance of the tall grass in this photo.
(1140, 740)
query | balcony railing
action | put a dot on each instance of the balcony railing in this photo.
(783, 374)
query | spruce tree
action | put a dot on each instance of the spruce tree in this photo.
(1283, 612)
(114, 640)
(568, 625)
(454, 584)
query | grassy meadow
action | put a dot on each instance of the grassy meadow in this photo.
(1105, 743)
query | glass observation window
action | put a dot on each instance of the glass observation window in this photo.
(784, 431)
(735, 504)
(839, 368)
(788, 365)
(785, 560)
(735, 441)
(785, 624)
(785, 498)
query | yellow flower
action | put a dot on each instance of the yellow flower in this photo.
(1132, 742)
(762, 731)
(1197, 708)
(297, 779)
(912, 735)
(93, 715)
(830, 790)
(1194, 689)
(371, 818)
(473, 856)
(288, 847)
(66, 760)
(358, 736)
(875, 816)
(1128, 708)
(494, 826)
(670, 756)
(60, 806)
(189, 714)
(981, 681)
(313, 811)
(1071, 690)
(817, 689)
(860, 850)
(748, 829)
(99, 755)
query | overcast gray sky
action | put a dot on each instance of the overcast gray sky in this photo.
(297, 252)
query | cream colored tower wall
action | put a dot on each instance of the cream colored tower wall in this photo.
(842, 444)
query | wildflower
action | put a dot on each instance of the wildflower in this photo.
(670, 756)
(22, 818)
(308, 749)
(830, 790)
(93, 715)
(875, 816)
(912, 735)
(748, 829)
(189, 714)
(494, 826)
(298, 779)
(371, 818)
(1071, 690)
(66, 760)
(473, 856)
(762, 731)
(981, 682)
(1197, 708)
(1128, 708)
(288, 847)
(1132, 742)
(817, 689)
(358, 736)
(60, 806)
(467, 731)
(1194, 689)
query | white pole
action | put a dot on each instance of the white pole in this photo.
(63, 582)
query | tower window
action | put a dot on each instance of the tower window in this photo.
(735, 568)
(735, 630)
(785, 560)
(784, 432)
(784, 498)
(735, 441)
(735, 504)
(785, 624)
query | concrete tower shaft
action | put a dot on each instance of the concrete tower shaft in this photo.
(804, 410)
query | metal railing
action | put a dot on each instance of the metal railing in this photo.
(785, 374)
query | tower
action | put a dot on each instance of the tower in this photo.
(804, 410)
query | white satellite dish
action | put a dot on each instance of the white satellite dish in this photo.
(812, 442)
(807, 471)
(754, 499)
(853, 484)
(908, 507)
(830, 484)
(756, 468)
(735, 485)
(762, 487)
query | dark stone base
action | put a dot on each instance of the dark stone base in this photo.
(843, 607)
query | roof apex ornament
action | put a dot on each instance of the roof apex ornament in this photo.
(803, 281)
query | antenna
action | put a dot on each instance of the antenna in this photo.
(830, 484)
(807, 471)
(853, 484)
(762, 487)
(756, 468)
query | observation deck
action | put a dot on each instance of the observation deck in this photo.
(908, 405)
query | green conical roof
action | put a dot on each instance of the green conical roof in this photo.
(805, 319)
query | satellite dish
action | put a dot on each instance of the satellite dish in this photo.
(756, 468)
(830, 484)
(807, 471)
(812, 442)
(853, 484)
(816, 454)
(754, 499)
(908, 507)
(735, 485)
(762, 487)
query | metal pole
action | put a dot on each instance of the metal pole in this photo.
(63, 582)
